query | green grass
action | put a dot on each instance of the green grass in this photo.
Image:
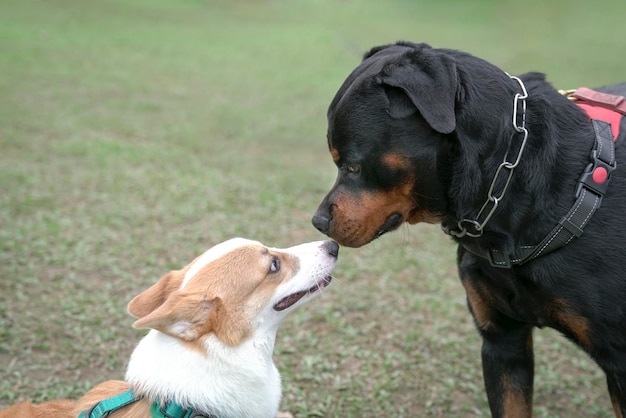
(135, 134)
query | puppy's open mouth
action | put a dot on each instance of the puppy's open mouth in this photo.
(288, 301)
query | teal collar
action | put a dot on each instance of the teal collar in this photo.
(157, 410)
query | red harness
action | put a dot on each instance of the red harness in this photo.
(602, 106)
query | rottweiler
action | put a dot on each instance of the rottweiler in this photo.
(527, 181)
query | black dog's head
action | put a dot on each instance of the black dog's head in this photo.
(384, 128)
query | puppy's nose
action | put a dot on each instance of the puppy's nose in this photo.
(332, 248)
(322, 223)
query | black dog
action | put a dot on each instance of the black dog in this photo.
(515, 173)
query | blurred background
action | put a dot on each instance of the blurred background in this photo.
(136, 134)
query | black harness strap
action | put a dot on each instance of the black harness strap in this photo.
(592, 186)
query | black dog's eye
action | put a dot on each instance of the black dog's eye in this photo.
(275, 266)
(353, 168)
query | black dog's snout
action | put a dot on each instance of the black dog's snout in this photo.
(323, 216)
(322, 223)
(332, 248)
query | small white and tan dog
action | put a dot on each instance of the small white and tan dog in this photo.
(212, 330)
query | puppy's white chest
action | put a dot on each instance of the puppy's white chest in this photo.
(228, 381)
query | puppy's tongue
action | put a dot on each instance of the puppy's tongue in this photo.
(288, 301)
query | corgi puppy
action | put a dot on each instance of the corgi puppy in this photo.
(212, 330)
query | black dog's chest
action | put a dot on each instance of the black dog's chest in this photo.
(516, 299)
(511, 297)
(536, 309)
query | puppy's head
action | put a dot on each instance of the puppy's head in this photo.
(234, 290)
(385, 126)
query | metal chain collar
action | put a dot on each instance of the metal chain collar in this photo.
(474, 228)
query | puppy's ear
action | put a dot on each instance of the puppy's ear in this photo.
(429, 79)
(151, 298)
(182, 315)
(167, 308)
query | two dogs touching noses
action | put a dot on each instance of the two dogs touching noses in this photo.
(212, 330)
(418, 134)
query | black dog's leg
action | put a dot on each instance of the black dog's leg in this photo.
(507, 355)
(617, 389)
(508, 371)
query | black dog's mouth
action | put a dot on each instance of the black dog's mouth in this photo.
(290, 300)
(393, 221)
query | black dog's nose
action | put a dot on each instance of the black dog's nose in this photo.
(332, 248)
(322, 223)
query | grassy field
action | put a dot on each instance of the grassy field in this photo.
(136, 134)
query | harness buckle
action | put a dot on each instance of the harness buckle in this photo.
(596, 176)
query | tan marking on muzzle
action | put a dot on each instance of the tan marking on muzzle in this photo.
(356, 218)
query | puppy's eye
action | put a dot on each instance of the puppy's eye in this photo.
(275, 266)
(353, 168)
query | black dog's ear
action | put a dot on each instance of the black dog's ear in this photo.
(429, 79)
(377, 49)
(400, 105)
